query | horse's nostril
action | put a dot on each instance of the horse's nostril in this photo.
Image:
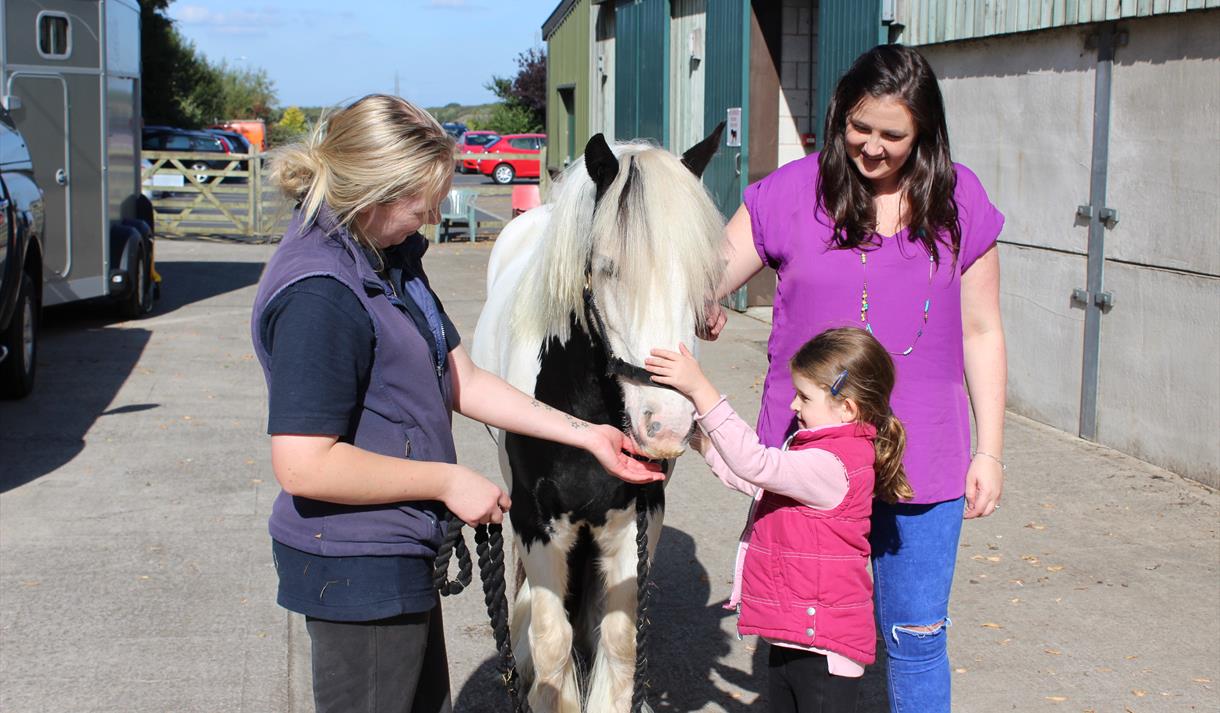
(647, 414)
(653, 428)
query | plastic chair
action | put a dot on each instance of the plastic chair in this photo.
(459, 207)
(525, 197)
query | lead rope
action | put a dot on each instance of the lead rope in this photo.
(489, 546)
(643, 596)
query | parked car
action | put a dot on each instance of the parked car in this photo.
(21, 226)
(237, 142)
(505, 171)
(454, 128)
(168, 138)
(474, 142)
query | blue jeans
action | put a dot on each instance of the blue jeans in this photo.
(914, 552)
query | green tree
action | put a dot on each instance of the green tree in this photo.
(522, 107)
(178, 86)
(245, 93)
(291, 126)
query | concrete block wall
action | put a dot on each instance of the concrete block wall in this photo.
(797, 96)
(1020, 115)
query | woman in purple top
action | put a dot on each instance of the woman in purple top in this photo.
(882, 231)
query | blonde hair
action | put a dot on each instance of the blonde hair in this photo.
(378, 149)
(865, 374)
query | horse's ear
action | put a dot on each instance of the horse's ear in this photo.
(600, 163)
(700, 155)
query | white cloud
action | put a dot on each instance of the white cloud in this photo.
(238, 22)
(459, 5)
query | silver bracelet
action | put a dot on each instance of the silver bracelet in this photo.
(1003, 468)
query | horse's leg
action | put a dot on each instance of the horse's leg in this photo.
(520, 624)
(614, 663)
(554, 688)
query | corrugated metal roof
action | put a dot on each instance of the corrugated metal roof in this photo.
(931, 21)
(556, 18)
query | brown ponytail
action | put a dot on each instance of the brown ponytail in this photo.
(868, 381)
(889, 444)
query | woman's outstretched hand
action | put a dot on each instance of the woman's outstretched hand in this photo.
(611, 447)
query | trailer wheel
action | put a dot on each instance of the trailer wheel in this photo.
(139, 301)
(21, 341)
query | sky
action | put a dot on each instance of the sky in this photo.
(324, 52)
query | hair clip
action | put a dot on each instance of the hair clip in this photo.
(837, 386)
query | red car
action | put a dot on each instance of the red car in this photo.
(473, 142)
(507, 170)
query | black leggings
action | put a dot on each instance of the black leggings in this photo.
(800, 682)
(395, 665)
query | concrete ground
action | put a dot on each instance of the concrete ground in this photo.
(136, 575)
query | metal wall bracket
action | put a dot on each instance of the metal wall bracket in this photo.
(1107, 216)
(1103, 300)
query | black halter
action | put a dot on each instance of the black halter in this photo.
(615, 366)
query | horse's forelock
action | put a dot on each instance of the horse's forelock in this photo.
(655, 220)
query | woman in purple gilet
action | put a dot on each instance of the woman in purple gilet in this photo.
(882, 231)
(364, 370)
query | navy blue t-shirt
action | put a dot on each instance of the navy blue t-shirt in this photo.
(320, 341)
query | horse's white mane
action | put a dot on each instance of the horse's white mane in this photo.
(663, 234)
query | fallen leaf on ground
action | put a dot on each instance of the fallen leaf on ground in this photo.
(1053, 652)
(1057, 699)
(991, 625)
(1055, 568)
(1139, 692)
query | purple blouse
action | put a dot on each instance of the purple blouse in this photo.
(819, 288)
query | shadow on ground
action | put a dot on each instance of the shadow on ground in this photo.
(687, 648)
(84, 357)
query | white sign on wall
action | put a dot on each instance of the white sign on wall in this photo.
(733, 127)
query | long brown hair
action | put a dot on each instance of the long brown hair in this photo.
(868, 383)
(927, 178)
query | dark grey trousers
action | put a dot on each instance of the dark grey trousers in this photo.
(395, 665)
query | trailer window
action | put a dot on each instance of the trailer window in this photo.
(54, 35)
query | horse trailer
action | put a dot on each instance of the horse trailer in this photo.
(71, 83)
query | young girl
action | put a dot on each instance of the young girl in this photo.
(364, 370)
(802, 581)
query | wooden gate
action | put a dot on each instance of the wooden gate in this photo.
(213, 194)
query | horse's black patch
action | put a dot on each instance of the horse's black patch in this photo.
(551, 480)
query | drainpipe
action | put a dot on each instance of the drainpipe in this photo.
(1093, 298)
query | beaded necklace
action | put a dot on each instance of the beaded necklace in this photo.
(927, 303)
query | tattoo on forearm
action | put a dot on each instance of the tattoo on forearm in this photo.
(574, 422)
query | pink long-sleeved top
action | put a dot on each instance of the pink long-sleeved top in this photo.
(812, 477)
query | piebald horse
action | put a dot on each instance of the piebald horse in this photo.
(578, 292)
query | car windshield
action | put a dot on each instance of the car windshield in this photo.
(479, 139)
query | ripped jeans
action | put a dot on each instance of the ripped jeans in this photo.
(914, 552)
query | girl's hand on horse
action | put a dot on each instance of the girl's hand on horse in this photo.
(475, 499)
(680, 370)
(611, 447)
